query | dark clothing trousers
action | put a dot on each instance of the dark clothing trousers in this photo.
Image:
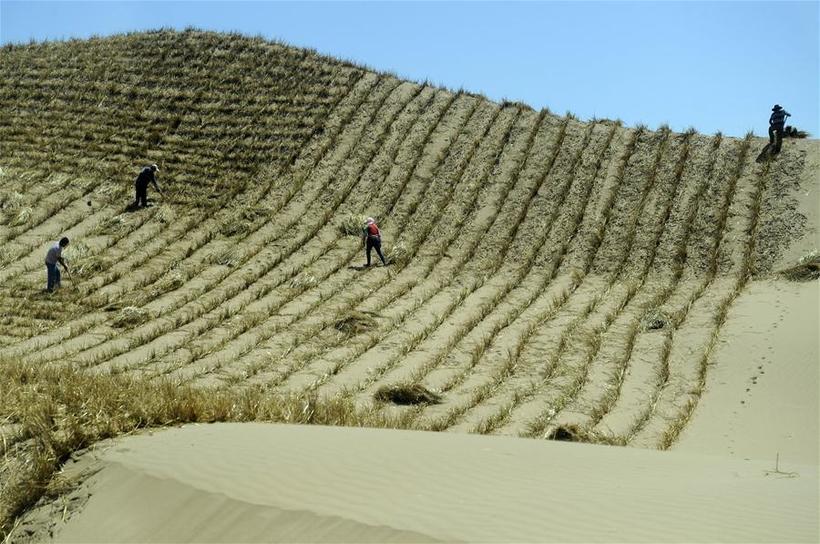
(142, 195)
(776, 136)
(52, 277)
(374, 242)
(145, 177)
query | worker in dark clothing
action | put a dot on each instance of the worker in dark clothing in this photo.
(372, 237)
(777, 121)
(146, 176)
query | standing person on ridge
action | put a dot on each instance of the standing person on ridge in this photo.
(776, 124)
(54, 256)
(372, 237)
(146, 176)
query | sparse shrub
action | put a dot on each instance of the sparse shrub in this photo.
(406, 394)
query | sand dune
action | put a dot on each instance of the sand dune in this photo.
(261, 483)
(546, 273)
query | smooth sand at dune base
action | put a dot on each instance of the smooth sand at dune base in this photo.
(260, 482)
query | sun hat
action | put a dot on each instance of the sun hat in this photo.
(777, 107)
(369, 220)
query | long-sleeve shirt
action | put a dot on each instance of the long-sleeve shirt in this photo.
(145, 177)
(778, 118)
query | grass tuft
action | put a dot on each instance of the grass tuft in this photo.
(398, 254)
(130, 316)
(355, 323)
(654, 320)
(576, 433)
(406, 394)
(806, 269)
(351, 224)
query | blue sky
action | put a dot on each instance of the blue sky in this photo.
(711, 65)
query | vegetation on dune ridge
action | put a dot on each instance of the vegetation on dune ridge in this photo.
(548, 277)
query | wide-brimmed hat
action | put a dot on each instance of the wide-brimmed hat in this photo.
(777, 107)
(369, 220)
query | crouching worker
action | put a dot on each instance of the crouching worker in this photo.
(146, 176)
(372, 237)
(54, 256)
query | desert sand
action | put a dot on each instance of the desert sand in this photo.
(261, 482)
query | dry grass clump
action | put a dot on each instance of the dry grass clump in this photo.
(111, 226)
(794, 132)
(244, 223)
(406, 394)
(576, 433)
(807, 268)
(62, 410)
(397, 254)
(165, 214)
(84, 261)
(224, 256)
(351, 224)
(11, 201)
(355, 323)
(130, 316)
(304, 281)
(23, 216)
(654, 320)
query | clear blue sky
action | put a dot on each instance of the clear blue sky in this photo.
(711, 65)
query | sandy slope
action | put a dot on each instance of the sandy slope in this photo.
(258, 482)
(761, 395)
